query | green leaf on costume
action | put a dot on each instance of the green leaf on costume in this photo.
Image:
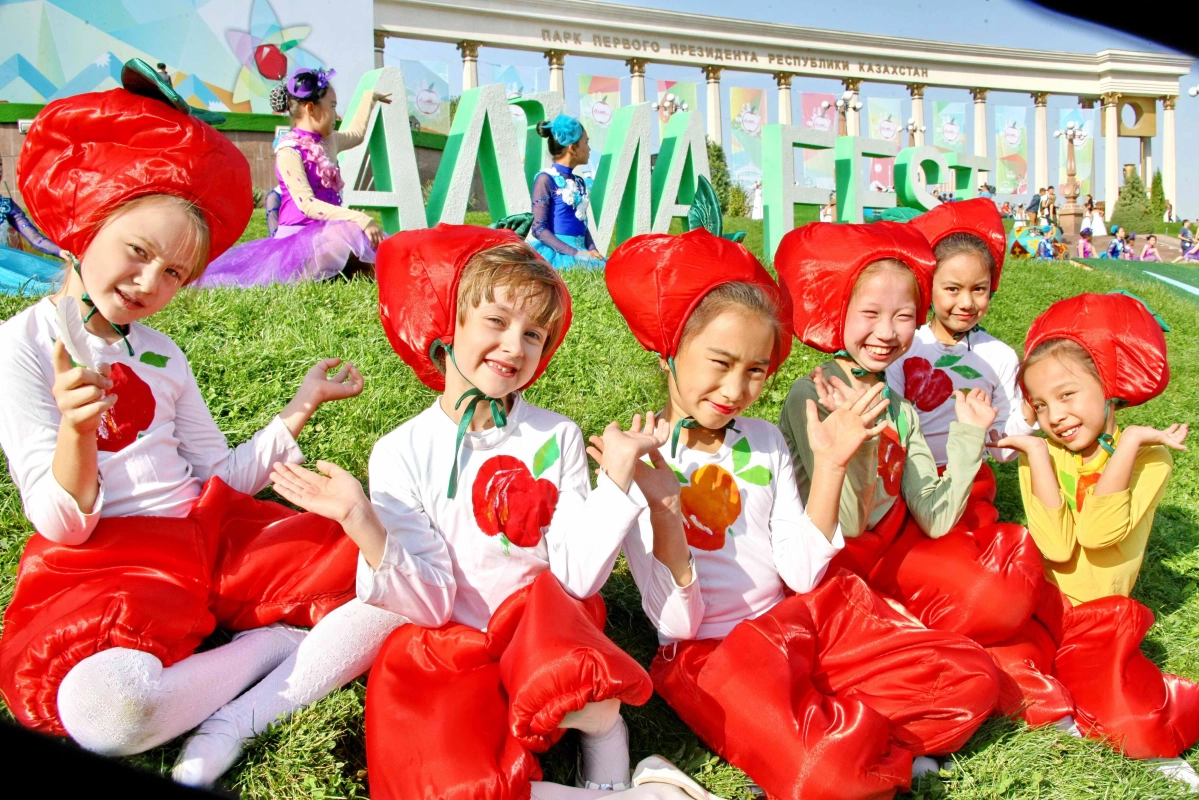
(705, 209)
(741, 454)
(1069, 488)
(903, 427)
(546, 456)
(154, 359)
(507, 544)
(758, 476)
(946, 361)
(969, 373)
(678, 473)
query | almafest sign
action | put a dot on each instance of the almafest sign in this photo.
(629, 196)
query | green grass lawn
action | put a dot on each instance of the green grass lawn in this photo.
(250, 348)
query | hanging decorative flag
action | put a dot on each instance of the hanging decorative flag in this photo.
(747, 108)
(949, 126)
(1011, 149)
(518, 81)
(819, 113)
(599, 97)
(684, 93)
(885, 124)
(1084, 149)
(428, 86)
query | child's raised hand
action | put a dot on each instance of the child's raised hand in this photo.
(833, 393)
(317, 387)
(1172, 437)
(974, 408)
(332, 492)
(80, 392)
(1025, 443)
(382, 98)
(619, 451)
(842, 432)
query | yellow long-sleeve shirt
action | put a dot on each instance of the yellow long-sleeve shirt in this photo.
(1092, 546)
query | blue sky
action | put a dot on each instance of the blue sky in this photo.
(990, 22)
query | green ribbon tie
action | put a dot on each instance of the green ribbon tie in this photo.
(1106, 440)
(690, 423)
(475, 395)
(123, 330)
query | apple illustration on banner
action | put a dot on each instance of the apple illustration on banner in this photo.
(950, 130)
(601, 112)
(427, 101)
(751, 122)
(887, 129)
(820, 121)
(1011, 134)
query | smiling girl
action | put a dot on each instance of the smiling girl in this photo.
(148, 536)
(812, 684)
(1091, 489)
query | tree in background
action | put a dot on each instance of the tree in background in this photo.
(1157, 197)
(1133, 211)
(734, 202)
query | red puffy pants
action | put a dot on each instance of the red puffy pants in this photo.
(981, 579)
(1100, 675)
(458, 713)
(162, 585)
(829, 694)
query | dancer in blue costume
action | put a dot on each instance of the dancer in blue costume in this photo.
(22, 272)
(560, 199)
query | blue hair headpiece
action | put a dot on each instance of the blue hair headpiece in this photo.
(566, 130)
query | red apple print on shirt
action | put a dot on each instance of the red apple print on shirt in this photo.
(1085, 482)
(132, 413)
(891, 457)
(510, 502)
(925, 386)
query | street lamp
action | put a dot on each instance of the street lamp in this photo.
(911, 128)
(1070, 217)
(1193, 91)
(844, 104)
(670, 106)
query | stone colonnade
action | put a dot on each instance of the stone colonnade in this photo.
(1041, 178)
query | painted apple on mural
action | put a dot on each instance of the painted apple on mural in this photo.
(887, 129)
(427, 101)
(950, 131)
(1011, 135)
(271, 62)
(601, 112)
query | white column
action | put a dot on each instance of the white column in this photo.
(715, 115)
(783, 79)
(980, 126)
(852, 122)
(917, 92)
(1169, 164)
(1147, 162)
(557, 60)
(380, 41)
(1041, 99)
(1111, 152)
(470, 64)
(637, 79)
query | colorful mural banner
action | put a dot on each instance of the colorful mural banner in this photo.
(1084, 149)
(683, 91)
(1011, 149)
(599, 97)
(747, 110)
(819, 166)
(949, 126)
(428, 85)
(886, 123)
(518, 82)
(224, 56)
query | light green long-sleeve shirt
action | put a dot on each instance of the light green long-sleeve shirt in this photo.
(935, 501)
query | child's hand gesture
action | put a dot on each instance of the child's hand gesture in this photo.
(833, 393)
(80, 392)
(618, 452)
(1172, 437)
(333, 493)
(317, 387)
(1025, 443)
(974, 408)
(842, 432)
(659, 484)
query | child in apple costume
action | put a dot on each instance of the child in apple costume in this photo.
(1090, 490)
(482, 529)
(317, 237)
(148, 536)
(816, 691)
(981, 578)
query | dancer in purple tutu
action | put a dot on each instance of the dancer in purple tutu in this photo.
(316, 236)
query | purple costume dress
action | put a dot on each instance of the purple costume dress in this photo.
(302, 247)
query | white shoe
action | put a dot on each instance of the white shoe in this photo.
(1067, 724)
(656, 769)
(1177, 769)
(208, 753)
(923, 765)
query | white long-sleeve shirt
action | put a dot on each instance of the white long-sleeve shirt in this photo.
(161, 445)
(764, 541)
(982, 363)
(523, 484)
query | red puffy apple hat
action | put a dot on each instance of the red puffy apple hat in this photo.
(978, 217)
(819, 263)
(1122, 336)
(88, 154)
(418, 273)
(657, 280)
